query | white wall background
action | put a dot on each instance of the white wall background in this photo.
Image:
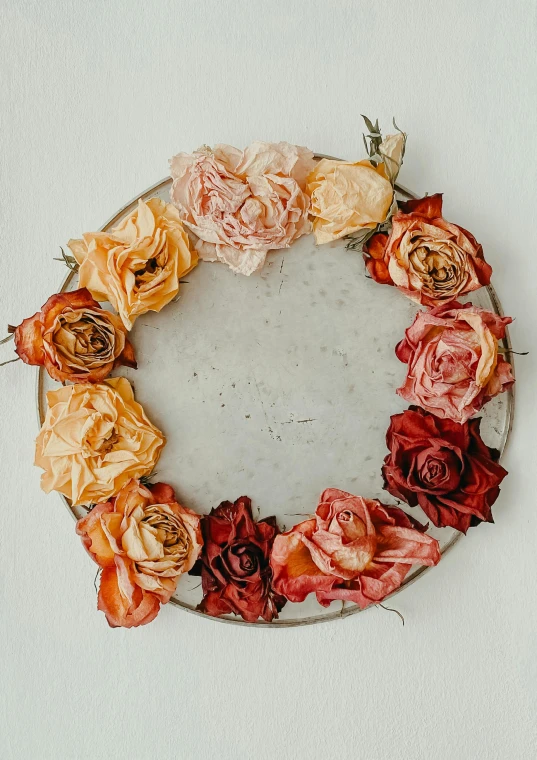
(95, 96)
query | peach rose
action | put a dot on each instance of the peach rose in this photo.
(144, 541)
(94, 439)
(354, 549)
(347, 197)
(453, 362)
(138, 264)
(74, 339)
(429, 259)
(242, 204)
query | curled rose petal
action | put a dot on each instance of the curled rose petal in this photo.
(144, 541)
(454, 366)
(74, 339)
(354, 549)
(442, 466)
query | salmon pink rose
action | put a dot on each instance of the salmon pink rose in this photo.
(354, 549)
(74, 339)
(242, 204)
(235, 570)
(443, 467)
(429, 259)
(454, 366)
(144, 541)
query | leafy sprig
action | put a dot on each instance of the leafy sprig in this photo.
(69, 261)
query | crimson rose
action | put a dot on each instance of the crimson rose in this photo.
(235, 570)
(443, 467)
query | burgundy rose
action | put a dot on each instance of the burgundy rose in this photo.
(235, 570)
(442, 466)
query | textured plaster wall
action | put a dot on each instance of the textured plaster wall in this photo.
(95, 96)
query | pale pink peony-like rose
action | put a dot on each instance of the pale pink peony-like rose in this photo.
(242, 204)
(454, 366)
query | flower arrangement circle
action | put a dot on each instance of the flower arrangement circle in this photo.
(98, 448)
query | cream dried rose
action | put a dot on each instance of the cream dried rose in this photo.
(94, 439)
(138, 264)
(242, 204)
(347, 197)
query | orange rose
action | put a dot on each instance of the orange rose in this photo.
(138, 264)
(429, 259)
(94, 439)
(144, 541)
(74, 339)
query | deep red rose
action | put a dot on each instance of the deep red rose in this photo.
(74, 338)
(429, 259)
(443, 467)
(235, 571)
(354, 549)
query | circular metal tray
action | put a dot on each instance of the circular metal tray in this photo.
(277, 386)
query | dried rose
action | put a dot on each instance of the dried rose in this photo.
(242, 204)
(94, 439)
(443, 467)
(138, 264)
(354, 549)
(74, 339)
(144, 541)
(235, 569)
(429, 259)
(454, 366)
(347, 197)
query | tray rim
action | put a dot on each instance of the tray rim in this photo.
(345, 611)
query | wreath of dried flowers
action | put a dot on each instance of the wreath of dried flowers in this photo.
(98, 448)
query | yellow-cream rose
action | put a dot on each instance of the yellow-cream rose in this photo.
(138, 264)
(94, 439)
(347, 197)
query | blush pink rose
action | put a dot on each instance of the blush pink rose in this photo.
(454, 366)
(354, 549)
(242, 204)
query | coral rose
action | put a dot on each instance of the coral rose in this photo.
(354, 549)
(454, 366)
(138, 264)
(74, 339)
(443, 467)
(235, 569)
(347, 197)
(94, 439)
(144, 541)
(242, 204)
(430, 260)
